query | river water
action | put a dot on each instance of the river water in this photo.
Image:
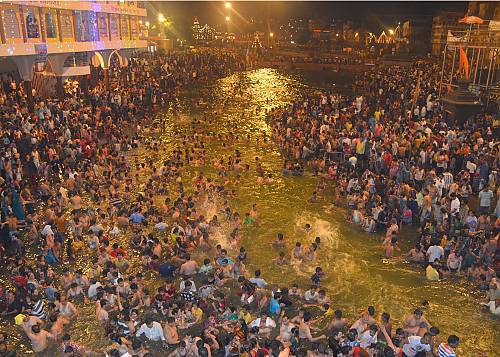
(356, 274)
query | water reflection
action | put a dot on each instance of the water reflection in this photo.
(357, 276)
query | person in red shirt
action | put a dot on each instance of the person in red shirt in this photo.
(117, 249)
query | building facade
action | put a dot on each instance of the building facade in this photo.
(441, 24)
(64, 37)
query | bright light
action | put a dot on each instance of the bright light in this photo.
(292, 42)
(161, 18)
(391, 31)
(147, 24)
(271, 34)
(227, 5)
(356, 34)
(228, 18)
(140, 21)
(337, 35)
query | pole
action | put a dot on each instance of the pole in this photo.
(481, 67)
(477, 64)
(442, 70)
(453, 66)
(489, 70)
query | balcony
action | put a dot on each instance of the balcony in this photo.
(27, 49)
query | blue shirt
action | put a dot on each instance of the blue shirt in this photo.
(274, 307)
(261, 283)
(229, 261)
(137, 217)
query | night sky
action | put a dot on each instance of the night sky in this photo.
(371, 15)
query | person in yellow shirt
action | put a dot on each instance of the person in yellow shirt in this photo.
(329, 312)
(431, 273)
(197, 312)
(245, 315)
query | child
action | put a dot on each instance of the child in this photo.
(316, 277)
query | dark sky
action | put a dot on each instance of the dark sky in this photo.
(368, 14)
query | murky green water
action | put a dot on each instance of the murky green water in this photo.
(356, 274)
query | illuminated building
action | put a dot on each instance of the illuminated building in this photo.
(196, 29)
(202, 33)
(64, 37)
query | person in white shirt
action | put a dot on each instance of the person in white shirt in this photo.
(92, 292)
(494, 306)
(264, 323)
(415, 344)
(161, 226)
(435, 252)
(369, 337)
(47, 230)
(454, 206)
(152, 330)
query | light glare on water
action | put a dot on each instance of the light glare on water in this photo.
(356, 274)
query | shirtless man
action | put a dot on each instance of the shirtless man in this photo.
(285, 329)
(29, 322)
(39, 338)
(297, 252)
(416, 255)
(190, 267)
(58, 323)
(170, 332)
(338, 322)
(414, 322)
(305, 330)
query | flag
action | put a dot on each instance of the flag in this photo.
(463, 64)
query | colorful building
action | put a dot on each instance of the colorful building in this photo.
(64, 37)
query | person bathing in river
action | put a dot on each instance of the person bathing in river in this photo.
(297, 254)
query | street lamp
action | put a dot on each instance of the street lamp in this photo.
(227, 5)
(271, 34)
(228, 18)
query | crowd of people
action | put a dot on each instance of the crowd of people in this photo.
(69, 189)
(395, 159)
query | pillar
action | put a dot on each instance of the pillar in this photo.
(59, 88)
(84, 84)
(105, 72)
(29, 95)
(57, 64)
(25, 67)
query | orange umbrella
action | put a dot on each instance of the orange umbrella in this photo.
(471, 20)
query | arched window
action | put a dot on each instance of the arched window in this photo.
(50, 25)
(11, 24)
(32, 28)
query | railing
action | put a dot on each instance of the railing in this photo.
(473, 35)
